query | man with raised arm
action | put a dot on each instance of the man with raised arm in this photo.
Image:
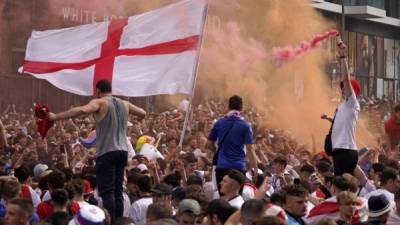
(111, 115)
(345, 155)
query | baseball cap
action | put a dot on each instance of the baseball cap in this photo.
(162, 189)
(189, 205)
(39, 169)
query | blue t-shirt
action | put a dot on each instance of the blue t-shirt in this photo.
(231, 154)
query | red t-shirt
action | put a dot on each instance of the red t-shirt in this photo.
(44, 210)
(392, 127)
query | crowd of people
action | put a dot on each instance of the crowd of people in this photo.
(227, 170)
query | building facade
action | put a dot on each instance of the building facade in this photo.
(372, 34)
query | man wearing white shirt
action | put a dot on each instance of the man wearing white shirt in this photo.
(138, 209)
(231, 185)
(389, 183)
(22, 173)
(345, 156)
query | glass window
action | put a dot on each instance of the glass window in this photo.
(379, 87)
(389, 88)
(389, 56)
(374, 3)
(372, 67)
(392, 8)
(372, 53)
(380, 57)
(362, 68)
(364, 85)
(397, 59)
(352, 43)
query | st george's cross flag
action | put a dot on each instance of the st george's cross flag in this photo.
(148, 54)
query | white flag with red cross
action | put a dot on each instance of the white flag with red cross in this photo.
(148, 54)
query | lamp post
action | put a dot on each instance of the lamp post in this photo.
(343, 22)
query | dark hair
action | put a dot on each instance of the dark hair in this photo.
(278, 197)
(378, 167)
(104, 86)
(76, 186)
(260, 180)
(159, 210)
(144, 183)
(252, 209)
(237, 176)
(123, 221)
(295, 190)
(397, 108)
(59, 197)
(173, 180)
(221, 208)
(328, 177)
(68, 174)
(397, 194)
(280, 159)
(323, 166)
(307, 168)
(341, 183)
(43, 184)
(388, 174)
(270, 220)
(165, 222)
(133, 177)
(24, 205)
(59, 218)
(190, 158)
(194, 179)
(235, 103)
(56, 179)
(326, 222)
(22, 173)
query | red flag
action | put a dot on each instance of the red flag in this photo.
(42, 120)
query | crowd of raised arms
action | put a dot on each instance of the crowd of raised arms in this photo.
(50, 180)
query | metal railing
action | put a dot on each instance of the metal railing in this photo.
(374, 3)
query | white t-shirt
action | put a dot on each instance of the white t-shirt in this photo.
(368, 187)
(46, 197)
(389, 195)
(138, 210)
(248, 192)
(131, 151)
(127, 204)
(35, 197)
(344, 126)
(236, 202)
(209, 190)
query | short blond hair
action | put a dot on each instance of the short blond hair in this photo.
(346, 198)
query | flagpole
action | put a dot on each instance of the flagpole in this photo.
(195, 71)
